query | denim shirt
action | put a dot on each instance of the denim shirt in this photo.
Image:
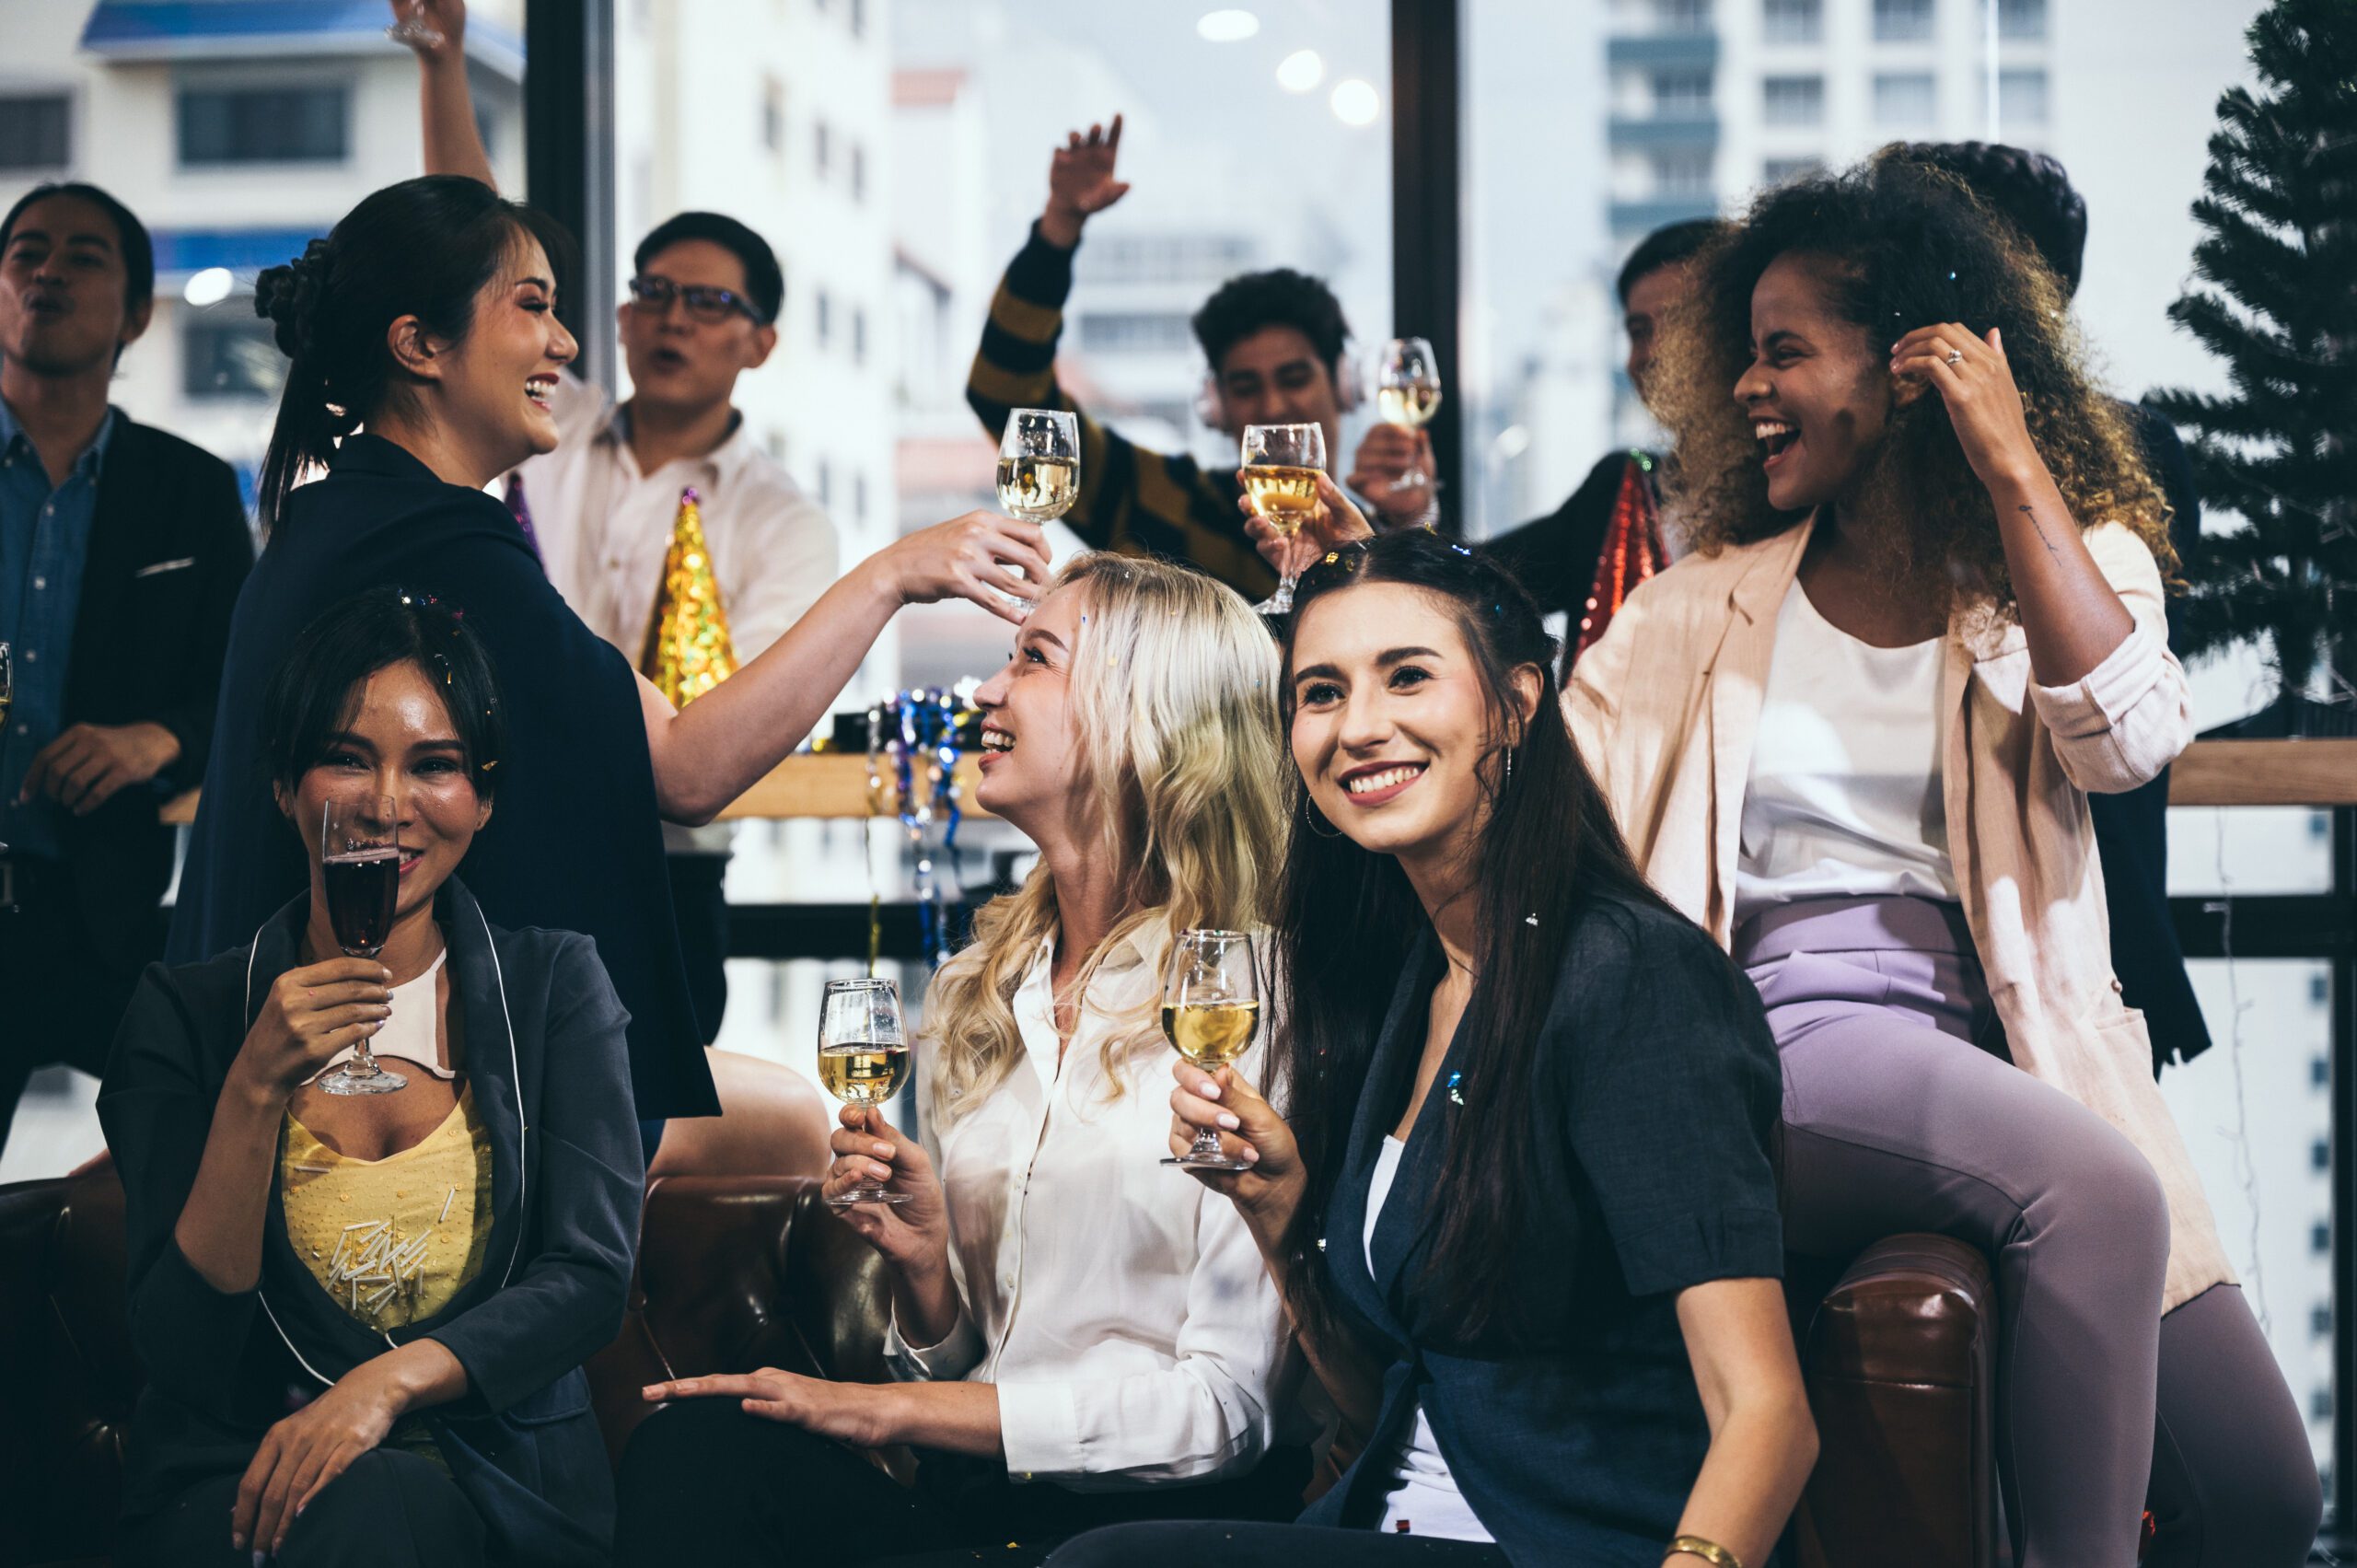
(44, 542)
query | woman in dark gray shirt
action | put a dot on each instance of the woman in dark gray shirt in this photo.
(1521, 1202)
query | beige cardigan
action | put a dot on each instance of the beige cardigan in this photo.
(1665, 709)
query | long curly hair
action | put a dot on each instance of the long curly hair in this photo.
(1906, 247)
(1174, 695)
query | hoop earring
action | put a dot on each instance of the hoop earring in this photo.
(1309, 818)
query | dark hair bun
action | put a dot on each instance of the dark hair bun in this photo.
(288, 296)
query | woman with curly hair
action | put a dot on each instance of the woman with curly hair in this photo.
(1853, 736)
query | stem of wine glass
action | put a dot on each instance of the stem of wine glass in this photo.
(1206, 1146)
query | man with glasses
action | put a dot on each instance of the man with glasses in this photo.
(703, 310)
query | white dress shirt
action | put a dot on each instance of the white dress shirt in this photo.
(604, 528)
(1124, 1314)
(1844, 798)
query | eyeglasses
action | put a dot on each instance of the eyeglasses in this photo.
(703, 302)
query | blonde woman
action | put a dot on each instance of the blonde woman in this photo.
(1085, 1337)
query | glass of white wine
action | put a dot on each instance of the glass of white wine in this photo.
(863, 1058)
(1407, 393)
(1038, 465)
(1211, 1005)
(1281, 463)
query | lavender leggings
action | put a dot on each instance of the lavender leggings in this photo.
(1902, 1113)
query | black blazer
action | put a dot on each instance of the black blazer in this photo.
(545, 1058)
(168, 550)
(1656, 1091)
(1554, 557)
(575, 842)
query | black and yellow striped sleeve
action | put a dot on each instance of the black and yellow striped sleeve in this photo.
(1132, 499)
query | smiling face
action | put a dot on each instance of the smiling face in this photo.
(1274, 376)
(61, 281)
(1394, 725)
(400, 751)
(1029, 745)
(495, 385)
(677, 362)
(1817, 392)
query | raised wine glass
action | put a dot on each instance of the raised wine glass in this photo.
(1211, 1005)
(411, 30)
(863, 1059)
(1281, 463)
(1407, 393)
(1039, 466)
(361, 869)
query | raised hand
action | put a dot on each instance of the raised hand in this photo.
(974, 557)
(436, 30)
(867, 1148)
(1386, 453)
(1336, 521)
(1973, 379)
(1080, 183)
(310, 1014)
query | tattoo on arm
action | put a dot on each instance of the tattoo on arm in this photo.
(2032, 515)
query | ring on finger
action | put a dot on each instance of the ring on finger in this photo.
(1954, 356)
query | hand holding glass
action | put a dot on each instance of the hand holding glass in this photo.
(1281, 463)
(1407, 393)
(1211, 1005)
(361, 869)
(863, 1059)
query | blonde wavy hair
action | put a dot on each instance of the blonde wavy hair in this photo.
(1173, 693)
(1905, 246)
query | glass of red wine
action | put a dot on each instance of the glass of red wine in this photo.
(361, 866)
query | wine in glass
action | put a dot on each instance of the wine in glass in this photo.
(360, 865)
(1038, 465)
(863, 1058)
(1407, 393)
(1211, 1004)
(1281, 463)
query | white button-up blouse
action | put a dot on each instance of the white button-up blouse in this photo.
(1120, 1307)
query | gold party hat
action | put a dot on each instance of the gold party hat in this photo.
(687, 650)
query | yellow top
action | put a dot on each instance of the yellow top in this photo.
(392, 1240)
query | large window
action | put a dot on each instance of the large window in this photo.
(1905, 100)
(295, 123)
(1793, 21)
(34, 130)
(1902, 21)
(1793, 100)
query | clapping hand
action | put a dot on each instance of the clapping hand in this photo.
(1081, 183)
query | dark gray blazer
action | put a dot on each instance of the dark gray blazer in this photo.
(1656, 1090)
(551, 1077)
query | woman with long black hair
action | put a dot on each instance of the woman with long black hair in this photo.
(424, 343)
(1520, 1203)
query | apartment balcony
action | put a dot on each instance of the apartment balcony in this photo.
(1674, 128)
(1675, 50)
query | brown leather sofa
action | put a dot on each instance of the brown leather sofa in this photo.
(740, 1273)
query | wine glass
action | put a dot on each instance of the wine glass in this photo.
(863, 1059)
(1281, 463)
(1407, 393)
(1211, 1004)
(1039, 466)
(360, 865)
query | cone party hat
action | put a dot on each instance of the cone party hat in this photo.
(687, 650)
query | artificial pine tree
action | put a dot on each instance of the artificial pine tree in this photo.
(2277, 301)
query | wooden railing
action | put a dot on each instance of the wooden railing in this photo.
(2211, 772)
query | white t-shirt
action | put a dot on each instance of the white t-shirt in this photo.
(1844, 799)
(604, 528)
(1120, 1307)
(1425, 1495)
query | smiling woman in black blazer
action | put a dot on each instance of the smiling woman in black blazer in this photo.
(364, 1317)
(1520, 1203)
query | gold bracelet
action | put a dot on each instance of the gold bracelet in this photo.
(1710, 1552)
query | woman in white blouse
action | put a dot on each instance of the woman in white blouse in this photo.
(1083, 1336)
